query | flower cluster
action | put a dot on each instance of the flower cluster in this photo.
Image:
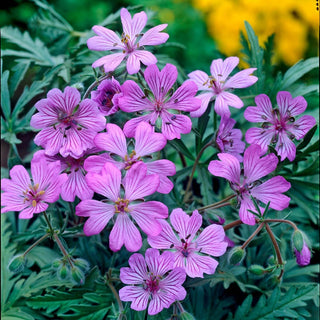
(112, 168)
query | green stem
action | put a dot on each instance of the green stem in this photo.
(276, 247)
(48, 223)
(186, 194)
(252, 236)
(36, 243)
(78, 34)
(232, 225)
(116, 295)
(293, 225)
(180, 307)
(62, 248)
(217, 204)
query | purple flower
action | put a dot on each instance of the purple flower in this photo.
(32, 196)
(137, 184)
(228, 140)
(76, 184)
(279, 125)
(218, 84)
(67, 126)
(130, 46)
(191, 248)
(158, 103)
(107, 96)
(303, 257)
(249, 184)
(146, 142)
(152, 278)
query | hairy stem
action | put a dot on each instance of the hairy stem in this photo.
(232, 225)
(252, 236)
(62, 248)
(48, 223)
(36, 243)
(217, 204)
(293, 225)
(115, 293)
(186, 194)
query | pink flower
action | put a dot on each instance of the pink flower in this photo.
(152, 278)
(228, 140)
(249, 184)
(191, 248)
(107, 95)
(67, 126)
(303, 257)
(218, 85)
(137, 184)
(158, 103)
(76, 184)
(130, 46)
(146, 143)
(279, 126)
(30, 196)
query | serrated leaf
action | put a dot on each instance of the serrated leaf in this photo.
(298, 70)
(18, 73)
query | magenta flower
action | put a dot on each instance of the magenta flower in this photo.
(153, 279)
(107, 95)
(67, 126)
(137, 185)
(146, 143)
(130, 46)
(190, 248)
(76, 184)
(303, 257)
(218, 86)
(30, 196)
(249, 184)
(228, 140)
(158, 104)
(279, 126)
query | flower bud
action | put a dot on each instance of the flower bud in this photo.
(236, 255)
(257, 269)
(297, 240)
(56, 263)
(303, 257)
(82, 264)
(186, 316)
(17, 263)
(63, 272)
(79, 86)
(77, 275)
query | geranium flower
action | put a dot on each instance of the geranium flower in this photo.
(228, 140)
(153, 279)
(192, 250)
(279, 125)
(146, 143)
(68, 125)
(76, 184)
(158, 103)
(248, 184)
(107, 95)
(130, 46)
(218, 85)
(137, 184)
(303, 258)
(30, 196)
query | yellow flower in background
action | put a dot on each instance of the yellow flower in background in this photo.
(292, 21)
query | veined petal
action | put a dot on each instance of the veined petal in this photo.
(288, 106)
(285, 147)
(130, 126)
(50, 139)
(220, 70)
(159, 264)
(175, 124)
(211, 241)
(138, 184)
(147, 141)
(231, 99)
(146, 57)
(201, 79)
(133, 63)
(205, 99)
(146, 215)
(173, 283)
(137, 24)
(242, 79)
(113, 140)
(261, 137)
(96, 163)
(138, 265)
(159, 301)
(109, 62)
(165, 239)
(301, 126)
(185, 225)
(221, 106)
(246, 216)
(106, 40)
(256, 167)
(153, 37)
(271, 190)
(262, 112)
(228, 167)
(196, 265)
(20, 180)
(124, 232)
(107, 183)
(28, 212)
(137, 295)
(65, 101)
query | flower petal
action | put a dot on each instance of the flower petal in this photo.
(130, 126)
(109, 62)
(220, 70)
(201, 79)
(285, 147)
(288, 106)
(301, 126)
(137, 295)
(205, 99)
(242, 79)
(261, 137)
(246, 216)
(159, 264)
(196, 265)
(175, 124)
(262, 112)
(106, 40)
(153, 37)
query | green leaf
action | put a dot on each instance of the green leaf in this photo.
(18, 73)
(307, 138)
(310, 171)
(5, 95)
(10, 137)
(181, 147)
(205, 181)
(16, 314)
(298, 70)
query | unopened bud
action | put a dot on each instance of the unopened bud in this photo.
(257, 269)
(63, 272)
(56, 263)
(186, 316)
(79, 86)
(17, 263)
(236, 255)
(297, 240)
(303, 257)
(82, 264)
(77, 275)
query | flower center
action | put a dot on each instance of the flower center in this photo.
(152, 284)
(125, 39)
(130, 160)
(121, 206)
(33, 195)
(107, 100)
(215, 84)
